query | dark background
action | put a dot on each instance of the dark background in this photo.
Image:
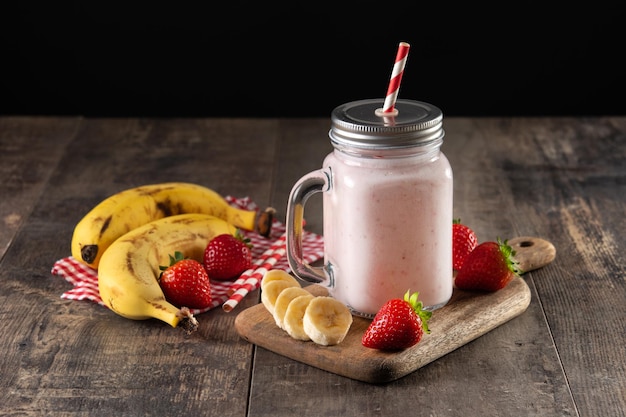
(166, 59)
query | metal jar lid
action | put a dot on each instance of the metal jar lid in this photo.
(358, 124)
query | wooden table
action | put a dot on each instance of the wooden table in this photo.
(562, 179)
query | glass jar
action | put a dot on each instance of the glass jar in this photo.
(387, 208)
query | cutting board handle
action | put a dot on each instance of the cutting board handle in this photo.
(532, 252)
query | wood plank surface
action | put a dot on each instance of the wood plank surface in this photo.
(559, 178)
(31, 149)
(78, 358)
(512, 176)
(563, 178)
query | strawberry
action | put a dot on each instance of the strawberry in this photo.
(399, 324)
(464, 241)
(227, 256)
(489, 267)
(185, 282)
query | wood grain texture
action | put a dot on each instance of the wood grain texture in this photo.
(532, 252)
(78, 358)
(559, 178)
(30, 149)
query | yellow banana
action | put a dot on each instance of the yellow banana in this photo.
(129, 268)
(131, 208)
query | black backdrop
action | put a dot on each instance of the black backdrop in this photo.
(183, 58)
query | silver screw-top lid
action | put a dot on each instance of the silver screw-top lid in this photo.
(358, 124)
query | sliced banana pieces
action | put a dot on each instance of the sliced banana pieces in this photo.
(292, 322)
(326, 321)
(323, 320)
(271, 293)
(278, 275)
(282, 302)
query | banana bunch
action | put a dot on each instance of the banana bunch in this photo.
(323, 320)
(134, 207)
(129, 268)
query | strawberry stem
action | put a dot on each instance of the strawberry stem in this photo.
(246, 240)
(508, 252)
(417, 306)
(178, 256)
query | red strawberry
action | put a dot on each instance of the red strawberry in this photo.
(185, 282)
(399, 324)
(489, 267)
(464, 241)
(226, 256)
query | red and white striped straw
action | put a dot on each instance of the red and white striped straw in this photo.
(396, 78)
(251, 279)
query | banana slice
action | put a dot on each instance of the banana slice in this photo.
(283, 300)
(292, 321)
(278, 275)
(326, 320)
(272, 291)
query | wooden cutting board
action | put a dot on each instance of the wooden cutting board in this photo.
(467, 316)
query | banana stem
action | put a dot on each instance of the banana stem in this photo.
(187, 322)
(175, 317)
(265, 220)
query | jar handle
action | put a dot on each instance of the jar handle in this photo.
(311, 183)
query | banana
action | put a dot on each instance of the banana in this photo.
(292, 321)
(134, 207)
(278, 275)
(129, 268)
(326, 320)
(272, 291)
(283, 300)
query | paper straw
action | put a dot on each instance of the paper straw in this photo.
(396, 78)
(250, 279)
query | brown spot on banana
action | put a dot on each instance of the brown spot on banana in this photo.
(105, 225)
(164, 207)
(130, 263)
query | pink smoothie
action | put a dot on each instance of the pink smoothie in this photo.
(388, 229)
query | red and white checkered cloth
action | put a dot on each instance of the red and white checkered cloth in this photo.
(267, 253)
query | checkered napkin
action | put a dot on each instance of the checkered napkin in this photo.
(267, 253)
